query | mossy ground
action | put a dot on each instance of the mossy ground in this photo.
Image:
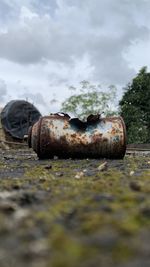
(50, 218)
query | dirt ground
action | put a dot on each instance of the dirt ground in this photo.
(66, 213)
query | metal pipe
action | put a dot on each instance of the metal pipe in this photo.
(59, 135)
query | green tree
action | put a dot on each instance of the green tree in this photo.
(89, 99)
(135, 108)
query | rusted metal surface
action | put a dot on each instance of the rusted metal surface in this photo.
(59, 135)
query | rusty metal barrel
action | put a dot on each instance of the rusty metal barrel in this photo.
(59, 135)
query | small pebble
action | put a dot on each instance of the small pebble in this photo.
(59, 174)
(132, 173)
(79, 175)
(103, 166)
(21, 214)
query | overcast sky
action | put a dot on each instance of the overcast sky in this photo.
(47, 45)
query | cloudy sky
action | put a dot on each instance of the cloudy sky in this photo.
(47, 45)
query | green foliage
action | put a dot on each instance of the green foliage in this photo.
(135, 108)
(90, 100)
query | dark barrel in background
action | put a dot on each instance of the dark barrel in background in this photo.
(16, 118)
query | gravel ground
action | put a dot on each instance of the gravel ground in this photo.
(66, 213)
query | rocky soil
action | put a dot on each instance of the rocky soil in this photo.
(70, 213)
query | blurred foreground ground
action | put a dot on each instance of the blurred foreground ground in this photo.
(66, 213)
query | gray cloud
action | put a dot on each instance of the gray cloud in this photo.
(5, 10)
(3, 90)
(36, 98)
(102, 30)
(45, 6)
(10, 9)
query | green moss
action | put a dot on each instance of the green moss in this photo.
(70, 214)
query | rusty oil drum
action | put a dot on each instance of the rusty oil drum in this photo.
(58, 135)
